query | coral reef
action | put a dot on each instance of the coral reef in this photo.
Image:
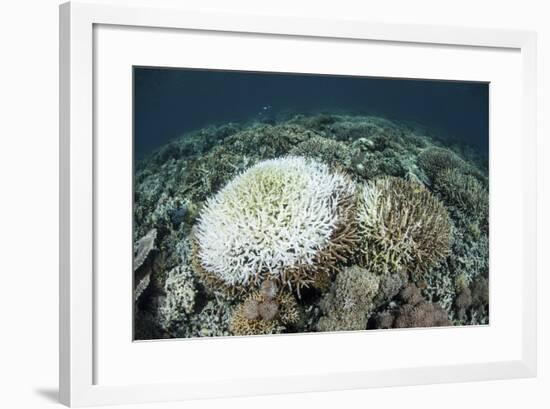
(286, 219)
(370, 223)
(348, 305)
(403, 227)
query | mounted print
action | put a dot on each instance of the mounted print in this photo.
(338, 193)
(275, 203)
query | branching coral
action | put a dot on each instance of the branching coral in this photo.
(403, 227)
(435, 160)
(287, 219)
(464, 192)
(348, 305)
(265, 312)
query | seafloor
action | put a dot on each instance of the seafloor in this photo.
(172, 185)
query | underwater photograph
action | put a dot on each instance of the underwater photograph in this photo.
(279, 203)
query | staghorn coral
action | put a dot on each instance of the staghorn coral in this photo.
(288, 219)
(402, 226)
(464, 192)
(435, 160)
(260, 314)
(348, 305)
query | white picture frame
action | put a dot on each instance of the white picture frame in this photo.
(78, 157)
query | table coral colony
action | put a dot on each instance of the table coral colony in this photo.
(311, 224)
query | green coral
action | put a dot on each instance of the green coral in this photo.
(403, 227)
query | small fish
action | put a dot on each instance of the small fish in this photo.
(265, 109)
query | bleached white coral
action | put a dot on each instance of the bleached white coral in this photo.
(273, 220)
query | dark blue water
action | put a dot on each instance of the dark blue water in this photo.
(170, 102)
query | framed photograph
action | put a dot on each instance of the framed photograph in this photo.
(254, 204)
